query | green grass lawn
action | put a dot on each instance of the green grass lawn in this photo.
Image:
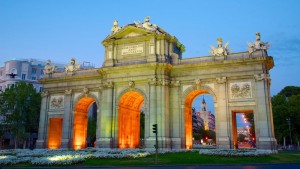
(195, 158)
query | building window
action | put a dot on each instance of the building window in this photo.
(0, 73)
(0, 88)
(41, 89)
(23, 76)
(33, 71)
(42, 72)
(33, 78)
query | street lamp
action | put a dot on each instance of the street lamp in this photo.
(289, 123)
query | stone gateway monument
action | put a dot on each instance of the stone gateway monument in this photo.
(144, 71)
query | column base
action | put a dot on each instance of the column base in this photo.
(40, 144)
(104, 142)
(266, 143)
(163, 143)
(176, 143)
(65, 143)
(223, 143)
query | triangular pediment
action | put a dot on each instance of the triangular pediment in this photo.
(128, 32)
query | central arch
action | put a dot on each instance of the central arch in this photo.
(129, 119)
(81, 122)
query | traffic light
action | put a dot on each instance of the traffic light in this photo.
(154, 127)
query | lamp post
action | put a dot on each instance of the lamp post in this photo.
(289, 123)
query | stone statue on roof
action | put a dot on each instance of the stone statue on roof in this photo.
(146, 25)
(257, 44)
(72, 67)
(220, 50)
(49, 69)
(116, 27)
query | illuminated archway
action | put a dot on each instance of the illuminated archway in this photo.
(80, 122)
(129, 119)
(188, 116)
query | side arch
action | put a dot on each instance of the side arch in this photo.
(80, 119)
(189, 95)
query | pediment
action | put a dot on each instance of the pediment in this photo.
(128, 32)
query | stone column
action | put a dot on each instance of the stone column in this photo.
(104, 119)
(223, 131)
(175, 123)
(264, 126)
(149, 135)
(41, 141)
(66, 130)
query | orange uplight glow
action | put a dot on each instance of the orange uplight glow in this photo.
(80, 122)
(129, 120)
(188, 117)
(55, 133)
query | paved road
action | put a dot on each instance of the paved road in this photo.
(246, 166)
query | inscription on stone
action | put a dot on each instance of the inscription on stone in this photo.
(132, 49)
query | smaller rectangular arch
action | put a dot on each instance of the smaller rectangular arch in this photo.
(55, 133)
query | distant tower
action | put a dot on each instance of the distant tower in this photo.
(203, 105)
(207, 116)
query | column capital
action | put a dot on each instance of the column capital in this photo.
(153, 81)
(108, 85)
(221, 80)
(174, 83)
(263, 76)
(68, 91)
(45, 93)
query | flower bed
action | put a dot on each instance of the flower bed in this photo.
(236, 152)
(67, 157)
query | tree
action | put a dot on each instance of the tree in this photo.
(241, 137)
(91, 130)
(20, 107)
(290, 91)
(250, 119)
(286, 105)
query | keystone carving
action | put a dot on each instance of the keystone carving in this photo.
(131, 84)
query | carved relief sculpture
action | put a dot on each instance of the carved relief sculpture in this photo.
(240, 90)
(257, 44)
(56, 102)
(49, 69)
(220, 50)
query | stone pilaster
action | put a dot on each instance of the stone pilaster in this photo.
(66, 130)
(150, 137)
(104, 119)
(41, 141)
(223, 131)
(175, 115)
(265, 138)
